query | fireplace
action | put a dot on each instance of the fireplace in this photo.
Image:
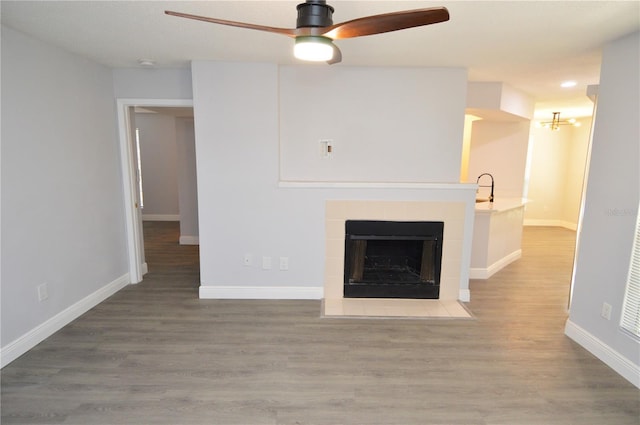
(392, 259)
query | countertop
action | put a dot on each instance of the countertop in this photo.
(499, 205)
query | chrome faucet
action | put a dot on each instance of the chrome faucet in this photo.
(478, 181)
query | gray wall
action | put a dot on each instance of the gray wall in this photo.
(387, 124)
(158, 154)
(187, 181)
(62, 209)
(136, 83)
(611, 200)
(242, 207)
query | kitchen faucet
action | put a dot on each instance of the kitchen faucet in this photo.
(478, 181)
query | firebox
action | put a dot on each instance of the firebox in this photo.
(392, 259)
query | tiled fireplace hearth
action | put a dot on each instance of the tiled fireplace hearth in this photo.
(452, 214)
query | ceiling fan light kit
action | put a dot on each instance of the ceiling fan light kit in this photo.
(315, 48)
(315, 32)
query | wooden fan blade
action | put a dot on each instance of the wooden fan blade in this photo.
(387, 22)
(284, 31)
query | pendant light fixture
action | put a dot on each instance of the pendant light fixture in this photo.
(556, 122)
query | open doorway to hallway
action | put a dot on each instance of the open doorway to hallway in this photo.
(165, 148)
(171, 265)
(131, 173)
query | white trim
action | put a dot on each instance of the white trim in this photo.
(189, 240)
(553, 223)
(569, 225)
(375, 185)
(464, 295)
(262, 292)
(26, 342)
(135, 247)
(144, 267)
(486, 273)
(160, 217)
(616, 361)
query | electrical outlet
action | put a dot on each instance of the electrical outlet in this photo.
(43, 292)
(266, 263)
(326, 148)
(606, 311)
(248, 259)
(284, 263)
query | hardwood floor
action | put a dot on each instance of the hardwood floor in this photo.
(156, 354)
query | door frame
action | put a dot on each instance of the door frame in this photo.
(135, 246)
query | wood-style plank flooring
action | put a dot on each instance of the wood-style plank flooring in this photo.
(155, 354)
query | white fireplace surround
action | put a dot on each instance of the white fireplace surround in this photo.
(454, 279)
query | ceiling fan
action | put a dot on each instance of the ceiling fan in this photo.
(315, 32)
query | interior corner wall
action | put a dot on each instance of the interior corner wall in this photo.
(611, 207)
(499, 148)
(62, 204)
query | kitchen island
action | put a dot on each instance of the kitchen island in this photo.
(497, 236)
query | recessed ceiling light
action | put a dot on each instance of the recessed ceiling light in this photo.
(568, 84)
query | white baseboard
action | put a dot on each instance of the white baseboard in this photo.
(486, 273)
(569, 225)
(262, 292)
(160, 217)
(189, 240)
(616, 361)
(464, 295)
(144, 268)
(553, 223)
(26, 342)
(277, 293)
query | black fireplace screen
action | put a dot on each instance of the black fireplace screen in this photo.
(392, 259)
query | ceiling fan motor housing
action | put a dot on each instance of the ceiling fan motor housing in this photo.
(314, 13)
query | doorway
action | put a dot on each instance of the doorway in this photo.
(177, 108)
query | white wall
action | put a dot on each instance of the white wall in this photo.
(547, 175)
(498, 101)
(187, 181)
(136, 83)
(384, 123)
(158, 156)
(62, 212)
(556, 175)
(243, 209)
(613, 188)
(499, 148)
(575, 169)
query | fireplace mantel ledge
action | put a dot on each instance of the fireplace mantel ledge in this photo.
(376, 185)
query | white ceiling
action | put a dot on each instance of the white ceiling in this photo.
(530, 45)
